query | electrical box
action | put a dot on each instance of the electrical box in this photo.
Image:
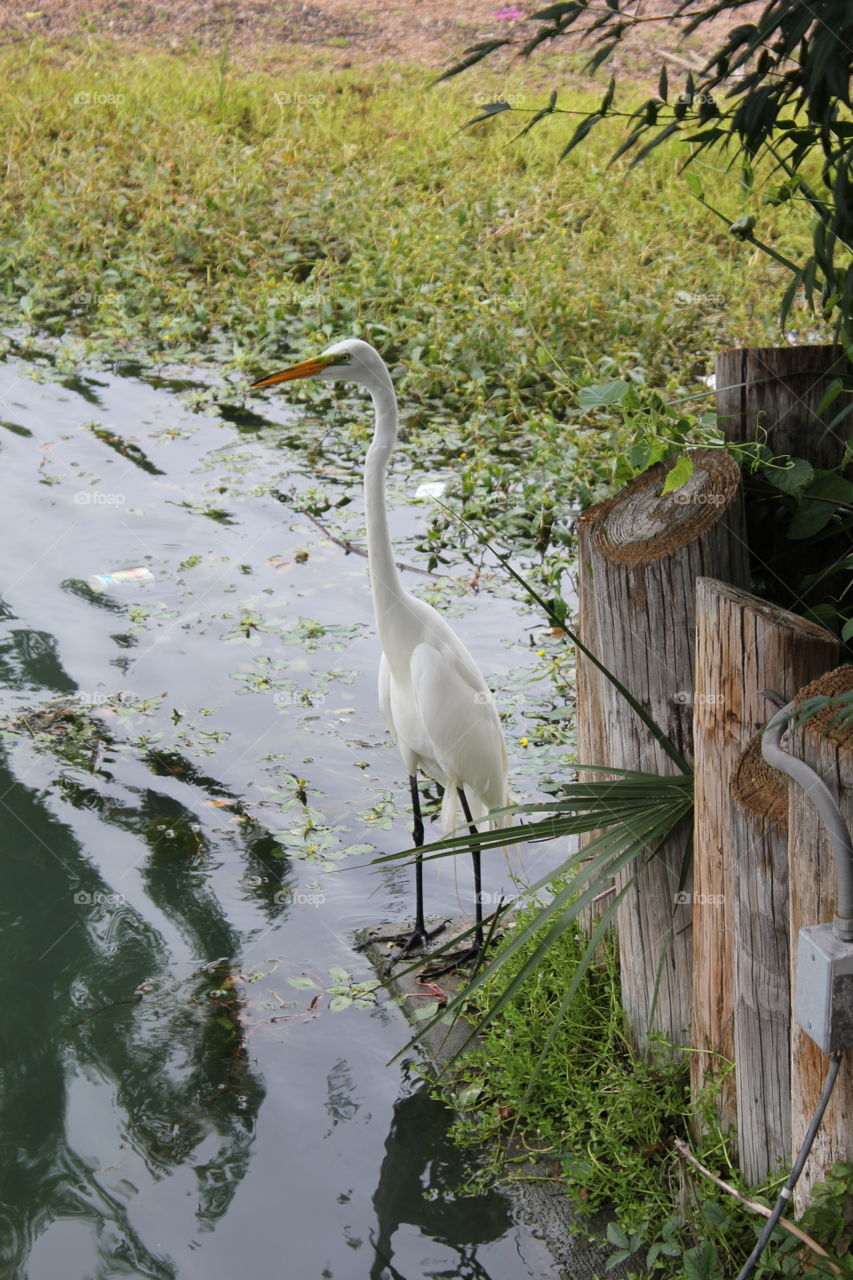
(824, 1003)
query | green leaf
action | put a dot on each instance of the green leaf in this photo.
(547, 110)
(701, 1263)
(602, 393)
(339, 975)
(424, 1011)
(809, 520)
(791, 479)
(602, 54)
(637, 832)
(678, 475)
(629, 142)
(819, 504)
(714, 1215)
(617, 1236)
(707, 136)
(339, 1003)
(302, 983)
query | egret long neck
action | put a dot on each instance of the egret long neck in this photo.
(384, 576)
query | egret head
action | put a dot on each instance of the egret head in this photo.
(349, 361)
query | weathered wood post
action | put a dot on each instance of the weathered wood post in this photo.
(762, 990)
(640, 555)
(740, 928)
(778, 390)
(813, 895)
(773, 394)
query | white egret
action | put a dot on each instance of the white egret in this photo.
(436, 704)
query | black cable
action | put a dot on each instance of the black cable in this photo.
(794, 1175)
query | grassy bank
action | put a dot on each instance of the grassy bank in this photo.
(606, 1124)
(193, 210)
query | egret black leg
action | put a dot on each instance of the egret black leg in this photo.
(417, 841)
(478, 883)
(472, 954)
(420, 935)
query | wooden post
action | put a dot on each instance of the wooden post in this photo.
(777, 390)
(762, 997)
(813, 895)
(740, 947)
(640, 556)
(773, 394)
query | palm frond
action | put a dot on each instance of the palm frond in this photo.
(583, 876)
(582, 807)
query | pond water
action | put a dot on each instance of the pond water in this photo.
(195, 774)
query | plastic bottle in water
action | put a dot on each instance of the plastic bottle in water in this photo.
(101, 582)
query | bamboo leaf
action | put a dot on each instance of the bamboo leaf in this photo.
(580, 133)
(557, 12)
(540, 115)
(629, 142)
(655, 142)
(490, 109)
(607, 100)
(474, 54)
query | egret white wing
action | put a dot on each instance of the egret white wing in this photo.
(461, 722)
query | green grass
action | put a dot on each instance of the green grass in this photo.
(194, 211)
(604, 1122)
(591, 1100)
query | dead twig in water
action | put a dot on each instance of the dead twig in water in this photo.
(351, 548)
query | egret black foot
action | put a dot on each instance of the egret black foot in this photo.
(409, 941)
(417, 940)
(455, 960)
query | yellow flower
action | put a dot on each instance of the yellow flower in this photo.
(540, 653)
(525, 742)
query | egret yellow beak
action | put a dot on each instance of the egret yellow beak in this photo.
(306, 369)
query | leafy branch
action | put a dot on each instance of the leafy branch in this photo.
(778, 86)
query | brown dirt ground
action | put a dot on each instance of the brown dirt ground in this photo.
(338, 33)
(431, 32)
